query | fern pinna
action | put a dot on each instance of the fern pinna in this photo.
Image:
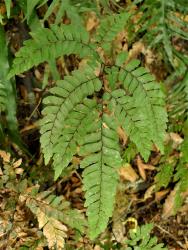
(83, 112)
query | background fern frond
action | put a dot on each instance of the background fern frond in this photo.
(159, 23)
(181, 175)
(62, 8)
(52, 213)
(100, 147)
(177, 103)
(68, 93)
(47, 44)
(109, 28)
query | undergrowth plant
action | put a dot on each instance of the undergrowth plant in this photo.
(31, 218)
(83, 113)
(162, 25)
(140, 239)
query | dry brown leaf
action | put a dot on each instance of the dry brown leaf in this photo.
(122, 135)
(1, 172)
(149, 192)
(176, 139)
(54, 231)
(168, 207)
(128, 173)
(92, 21)
(137, 48)
(17, 163)
(142, 167)
(161, 194)
(5, 156)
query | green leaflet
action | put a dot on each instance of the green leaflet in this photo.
(102, 158)
(8, 7)
(48, 44)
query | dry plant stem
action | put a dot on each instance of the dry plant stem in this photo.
(171, 236)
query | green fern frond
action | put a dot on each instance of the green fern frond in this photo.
(141, 239)
(140, 107)
(101, 150)
(47, 44)
(181, 175)
(109, 28)
(158, 24)
(177, 103)
(62, 8)
(65, 96)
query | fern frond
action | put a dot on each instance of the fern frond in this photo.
(158, 24)
(140, 107)
(101, 150)
(142, 240)
(177, 103)
(110, 27)
(56, 208)
(47, 44)
(60, 6)
(181, 175)
(63, 99)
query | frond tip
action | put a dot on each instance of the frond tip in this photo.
(101, 150)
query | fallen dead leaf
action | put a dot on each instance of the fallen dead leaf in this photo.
(137, 48)
(161, 194)
(92, 21)
(128, 173)
(142, 167)
(176, 139)
(168, 208)
(17, 163)
(149, 192)
(122, 135)
(5, 156)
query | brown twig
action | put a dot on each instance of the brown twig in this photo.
(170, 236)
